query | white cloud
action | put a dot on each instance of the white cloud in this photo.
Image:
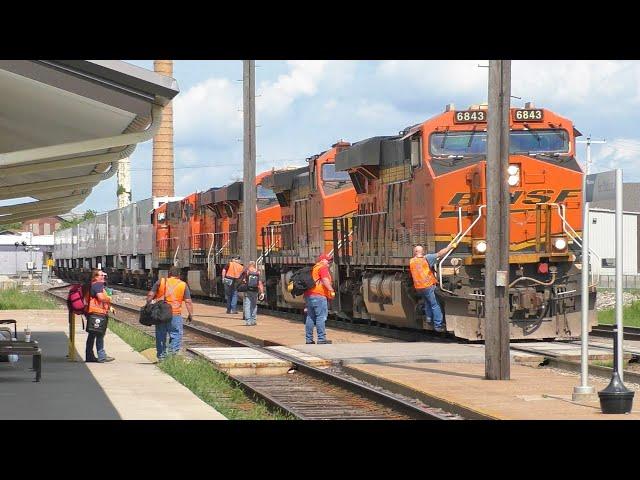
(442, 77)
(301, 80)
(209, 111)
(617, 153)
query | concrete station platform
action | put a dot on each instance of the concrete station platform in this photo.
(129, 388)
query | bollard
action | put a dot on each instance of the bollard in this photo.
(616, 398)
(72, 337)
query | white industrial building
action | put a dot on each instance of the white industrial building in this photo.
(602, 237)
(19, 252)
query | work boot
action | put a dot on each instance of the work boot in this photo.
(106, 359)
(91, 360)
(324, 342)
(311, 343)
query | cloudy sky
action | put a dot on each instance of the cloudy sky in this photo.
(305, 106)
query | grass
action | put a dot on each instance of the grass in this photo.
(631, 315)
(138, 340)
(603, 363)
(198, 375)
(13, 299)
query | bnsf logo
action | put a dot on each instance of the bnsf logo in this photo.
(521, 197)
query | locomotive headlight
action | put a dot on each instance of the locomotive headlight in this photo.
(514, 175)
(560, 243)
(481, 247)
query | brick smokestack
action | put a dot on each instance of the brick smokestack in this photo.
(162, 173)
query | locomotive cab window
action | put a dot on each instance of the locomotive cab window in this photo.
(334, 180)
(265, 197)
(520, 141)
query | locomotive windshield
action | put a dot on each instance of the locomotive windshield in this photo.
(330, 174)
(265, 197)
(520, 141)
(262, 192)
(334, 180)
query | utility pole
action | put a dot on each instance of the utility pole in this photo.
(584, 390)
(249, 165)
(496, 300)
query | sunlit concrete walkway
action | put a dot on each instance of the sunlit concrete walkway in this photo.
(129, 388)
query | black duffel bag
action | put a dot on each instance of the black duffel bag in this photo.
(156, 312)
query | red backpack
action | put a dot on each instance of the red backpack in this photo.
(76, 300)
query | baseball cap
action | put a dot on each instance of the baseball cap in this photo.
(326, 257)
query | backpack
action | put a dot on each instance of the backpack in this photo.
(76, 300)
(301, 281)
(253, 278)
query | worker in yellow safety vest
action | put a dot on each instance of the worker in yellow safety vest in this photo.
(424, 281)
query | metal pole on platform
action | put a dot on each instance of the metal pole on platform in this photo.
(497, 359)
(584, 389)
(619, 267)
(249, 166)
(72, 337)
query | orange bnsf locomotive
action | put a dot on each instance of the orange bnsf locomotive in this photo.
(203, 231)
(427, 186)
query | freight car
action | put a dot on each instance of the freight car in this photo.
(427, 186)
(118, 241)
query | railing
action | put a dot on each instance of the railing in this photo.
(198, 244)
(279, 237)
(459, 236)
(166, 247)
(571, 233)
(225, 244)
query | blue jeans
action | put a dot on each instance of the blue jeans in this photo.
(174, 329)
(317, 310)
(432, 307)
(98, 339)
(250, 305)
(232, 297)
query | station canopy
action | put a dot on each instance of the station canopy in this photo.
(65, 124)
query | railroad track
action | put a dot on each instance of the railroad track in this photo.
(630, 333)
(308, 393)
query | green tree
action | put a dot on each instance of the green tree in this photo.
(11, 226)
(70, 223)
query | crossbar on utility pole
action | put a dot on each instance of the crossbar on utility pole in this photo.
(249, 165)
(496, 300)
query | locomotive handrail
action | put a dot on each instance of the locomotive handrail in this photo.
(175, 256)
(340, 243)
(209, 252)
(456, 239)
(226, 243)
(595, 277)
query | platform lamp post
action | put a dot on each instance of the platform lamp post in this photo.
(616, 398)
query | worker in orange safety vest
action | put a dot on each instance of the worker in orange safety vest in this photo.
(424, 281)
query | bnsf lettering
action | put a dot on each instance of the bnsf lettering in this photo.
(463, 199)
(538, 196)
(567, 194)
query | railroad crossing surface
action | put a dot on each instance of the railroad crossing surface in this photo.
(130, 388)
